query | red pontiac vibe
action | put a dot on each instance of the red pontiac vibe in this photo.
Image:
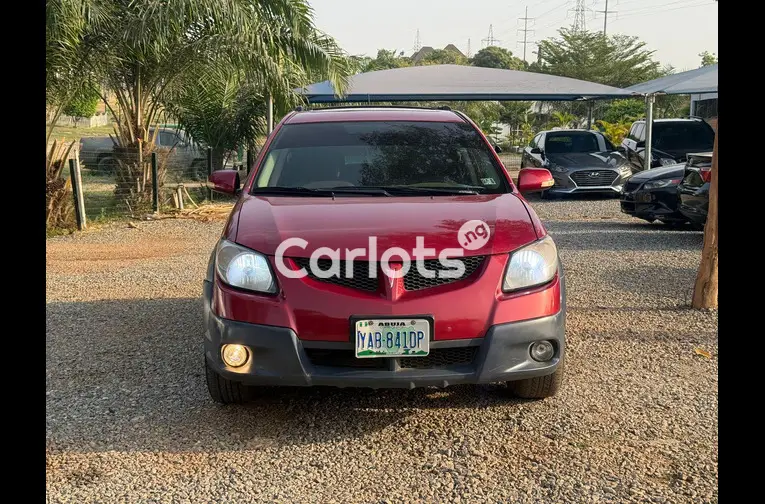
(382, 247)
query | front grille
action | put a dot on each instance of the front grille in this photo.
(342, 358)
(413, 280)
(631, 186)
(438, 358)
(441, 357)
(360, 279)
(592, 178)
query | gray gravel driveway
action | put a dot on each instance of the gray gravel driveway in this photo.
(129, 419)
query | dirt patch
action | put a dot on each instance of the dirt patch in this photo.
(95, 257)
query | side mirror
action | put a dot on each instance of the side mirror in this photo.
(497, 149)
(534, 180)
(225, 181)
(536, 150)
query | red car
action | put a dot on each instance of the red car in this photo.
(382, 247)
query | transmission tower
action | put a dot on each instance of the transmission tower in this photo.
(525, 31)
(417, 42)
(468, 49)
(606, 12)
(580, 13)
(490, 40)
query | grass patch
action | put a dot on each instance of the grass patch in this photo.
(70, 133)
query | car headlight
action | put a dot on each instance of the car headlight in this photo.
(244, 268)
(625, 170)
(556, 168)
(667, 161)
(656, 184)
(532, 265)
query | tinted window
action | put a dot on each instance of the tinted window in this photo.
(609, 145)
(167, 139)
(570, 142)
(534, 141)
(683, 136)
(639, 132)
(633, 132)
(376, 153)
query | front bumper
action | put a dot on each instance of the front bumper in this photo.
(654, 204)
(279, 357)
(565, 184)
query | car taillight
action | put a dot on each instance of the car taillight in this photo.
(706, 174)
(675, 181)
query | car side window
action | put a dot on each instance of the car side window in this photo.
(167, 138)
(541, 141)
(533, 142)
(639, 133)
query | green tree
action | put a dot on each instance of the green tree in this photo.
(443, 57)
(385, 60)
(83, 104)
(624, 110)
(708, 58)
(616, 60)
(496, 57)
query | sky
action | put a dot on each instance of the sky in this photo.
(678, 30)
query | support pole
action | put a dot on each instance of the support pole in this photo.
(249, 160)
(649, 100)
(79, 200)
(154, 183)
(589, 115)
(270, 114)
(209, 170)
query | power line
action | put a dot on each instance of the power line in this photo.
(490, 40)
(606, 12)
(637, 14)
(525, 31)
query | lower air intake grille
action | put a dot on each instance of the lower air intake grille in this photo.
(441, 357)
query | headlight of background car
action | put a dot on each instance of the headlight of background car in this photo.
(625, 170)
(243, 268)
(656, 184)
(534, 264)
(556, 168)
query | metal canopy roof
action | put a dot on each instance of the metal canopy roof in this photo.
(459, 83)
(700, 80)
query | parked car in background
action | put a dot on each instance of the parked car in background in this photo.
(694, 188)
(652, 194)
(97, 153)
(672, 140)
(579, 160)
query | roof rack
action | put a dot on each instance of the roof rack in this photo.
(371, 105)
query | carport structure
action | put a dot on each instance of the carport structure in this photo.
(460, 83)
(699, 81)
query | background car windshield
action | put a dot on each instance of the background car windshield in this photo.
(567, 143)
(376, 153)
(683, 136)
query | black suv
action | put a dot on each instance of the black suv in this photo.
(673, 140)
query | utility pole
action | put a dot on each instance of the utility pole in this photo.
(606, 12)
(525, 31)
(580, 13)
(417, 43)
(490, 40)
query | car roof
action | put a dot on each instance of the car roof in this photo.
(373, 114)
(571, 130)
(679, 119)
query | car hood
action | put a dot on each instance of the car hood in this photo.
(348, 222)
(603, 159)
(669, 171)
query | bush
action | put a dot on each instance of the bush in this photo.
(83, 105)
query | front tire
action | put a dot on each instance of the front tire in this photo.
(225, 391)
(538, 387)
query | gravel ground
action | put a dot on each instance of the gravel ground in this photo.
(129, 419)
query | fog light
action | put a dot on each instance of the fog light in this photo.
(235, 355)
(542, 351)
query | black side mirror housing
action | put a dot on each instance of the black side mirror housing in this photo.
(640, 144)
(497, 148)
(536, 150)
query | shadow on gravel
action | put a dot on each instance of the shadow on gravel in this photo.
(128, 375)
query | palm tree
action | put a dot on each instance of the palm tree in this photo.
(140, 50)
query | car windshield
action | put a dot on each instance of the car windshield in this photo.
(395, 155)
(571, 142)
(683, 136)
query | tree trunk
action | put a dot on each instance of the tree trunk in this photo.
(705, 290)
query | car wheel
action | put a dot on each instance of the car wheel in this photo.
(538, 387)
(107, 164)
(225, 391)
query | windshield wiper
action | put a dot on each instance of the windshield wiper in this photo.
(331, 192)
(432, 190)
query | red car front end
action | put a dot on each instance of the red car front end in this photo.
(498, 320)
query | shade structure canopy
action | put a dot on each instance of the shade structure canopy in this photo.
(700, 80)
(459, 83)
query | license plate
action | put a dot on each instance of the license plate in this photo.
(392, 337)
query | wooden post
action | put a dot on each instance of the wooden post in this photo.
(179, 191)
(79, 200)
(154, 182)
(705, 290)
(209, 171)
